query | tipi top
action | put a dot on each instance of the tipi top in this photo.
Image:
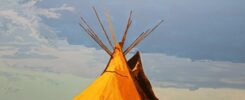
(117, 63)
(115, 83)
(96, 38)
(118, 82)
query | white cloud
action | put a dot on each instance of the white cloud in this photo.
(162, 70)
(199, 73)
(47, 12)
(64, 7)
(22, 22)
(78, 60)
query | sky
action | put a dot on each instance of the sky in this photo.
(200, 44)
(197, 29)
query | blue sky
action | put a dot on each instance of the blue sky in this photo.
(195, 29)
(199, 45)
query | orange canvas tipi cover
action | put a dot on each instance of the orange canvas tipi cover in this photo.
(121, 80)
(115, 83)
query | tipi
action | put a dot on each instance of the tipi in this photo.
(121, 79)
